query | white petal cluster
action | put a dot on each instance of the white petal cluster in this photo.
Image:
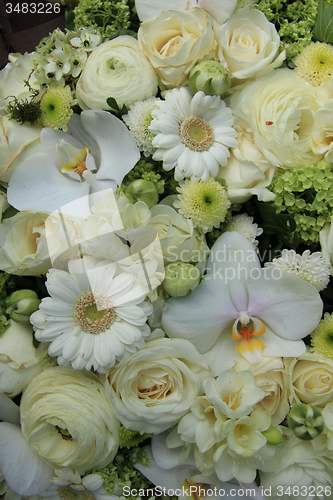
(244, 225)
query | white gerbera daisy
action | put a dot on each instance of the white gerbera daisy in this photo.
(193, 134)
(310, 267)
(92, 318)
(138, 120)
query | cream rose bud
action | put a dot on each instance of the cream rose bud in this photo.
(178, 239)
(20, 361)
(117, 69)
(68, 421)
(270, 376)
(152, 389)
(29, 239)
(17, 142)
(311, 379)
(248, 43)
(174, 41)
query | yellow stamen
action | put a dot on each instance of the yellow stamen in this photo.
(78, 163)
(245, 333)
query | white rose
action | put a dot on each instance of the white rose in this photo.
(12, 78)
(249, 44)
(17, 142)
(116, 69)
(153, 388)
(311, 379)
(20, 361)
(178, 239)
(279, 110)
(174, 41)
(29, 239)
(247, 172)
(326, 243)
(68, 421)
(270, 376)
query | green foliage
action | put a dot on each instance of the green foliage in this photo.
(121, 471)
(24, 111)
(7, 286)
(128, 439)
(108, 16)
(114, 105)
(307, 195)
(294, 22)
(152, 171)
(323, 28)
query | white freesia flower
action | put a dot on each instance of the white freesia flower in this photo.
(193, 134)
(239, 301)
(219, 10)
(311, 379)
(67, 484)
(116, 69)
(326, 243)
(174, 41)
(297, 464)
(28, 240)
(12, 78)
(17, 142)
(95, 155)
(152, 389)
(322, 133)
(249, 44)
(20, 361)
(279, 110)
(93, 315)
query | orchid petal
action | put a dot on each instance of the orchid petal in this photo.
(54, 189)
(9, 411)
(119, 153)
(220, 10)
(16, 455)
(146, 9)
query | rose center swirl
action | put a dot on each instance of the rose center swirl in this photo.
(196, 134)
(93, 312)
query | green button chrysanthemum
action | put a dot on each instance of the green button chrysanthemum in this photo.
(315, 62)
(322, 337)
(56, 107)
(204, 202)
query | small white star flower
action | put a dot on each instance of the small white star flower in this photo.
(193, 134)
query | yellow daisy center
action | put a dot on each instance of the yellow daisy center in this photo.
(196, 134)
(93, 313)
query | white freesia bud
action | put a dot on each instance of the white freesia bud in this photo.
(20, 361)
(68, 421)
(116, 69)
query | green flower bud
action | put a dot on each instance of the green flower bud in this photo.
(21, 304)
(273, 436)
(141, 190)
(180, 279)
(306, 421)
(210, 77)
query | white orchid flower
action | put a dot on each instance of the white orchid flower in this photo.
(93, 156)
(244, 310)
(221, 10)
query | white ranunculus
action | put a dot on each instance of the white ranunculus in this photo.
(178, 239)
(247, 172)
(20, 361)
(17, 142)
(311, 379)
(270, 376)
(152, 389)
(68, 421)
(326, 243)
(116, 69)
(28, 240)
(279, 110)
(12, 78)
(174, 41)
(248, 44)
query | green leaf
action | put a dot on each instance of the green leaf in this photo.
(323, 28)
(70, 18)
(112, 103)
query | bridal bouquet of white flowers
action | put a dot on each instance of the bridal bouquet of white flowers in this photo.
(166, 248)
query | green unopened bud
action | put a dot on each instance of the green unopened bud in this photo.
(180, 279)
(21, 304)
(210, 77)
(273, 436)
(141, 190)
(306, 421)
